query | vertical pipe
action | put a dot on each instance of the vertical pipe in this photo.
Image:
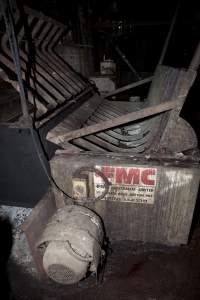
(127, 62)
(9, 22)
(169, 35)
(195, 62)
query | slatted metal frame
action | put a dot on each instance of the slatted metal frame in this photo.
(49, 80)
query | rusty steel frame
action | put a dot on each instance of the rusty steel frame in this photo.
(57, 87)
(57, 83)
(135, 137)
(129, 87)
(51, 81)
(130, 117)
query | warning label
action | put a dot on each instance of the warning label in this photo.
(128, 184)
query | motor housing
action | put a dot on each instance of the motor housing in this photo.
(72, 243)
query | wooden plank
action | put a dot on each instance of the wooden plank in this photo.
(129, 86)
(133, 116)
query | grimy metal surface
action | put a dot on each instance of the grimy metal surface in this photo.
(128, 87)
(165, 218)
(130, 117)
(23, 181)
(106, 128)
(53, 86)
(49, 80)
(113, 127)
(34, 226)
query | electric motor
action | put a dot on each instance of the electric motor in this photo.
(73, 244)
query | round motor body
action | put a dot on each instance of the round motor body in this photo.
(73, 244)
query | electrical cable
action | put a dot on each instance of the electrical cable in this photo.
(99, 173)
(8, 17)
(7, 12)
(77, 172)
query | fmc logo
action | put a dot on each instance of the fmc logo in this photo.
(130, 175)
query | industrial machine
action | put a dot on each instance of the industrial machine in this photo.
(73, 244)
(76, 152)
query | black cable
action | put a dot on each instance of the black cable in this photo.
(9, 22)
(77, 172)
(99, 173)
(7, 11)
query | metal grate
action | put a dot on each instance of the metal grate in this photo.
(61, 274)
(50, 81)
(134, 137)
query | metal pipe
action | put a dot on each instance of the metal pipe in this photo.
(195, 62)
(128, 63)
(169, 35)
(15, 54)
(129, 86)
(133, 116)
